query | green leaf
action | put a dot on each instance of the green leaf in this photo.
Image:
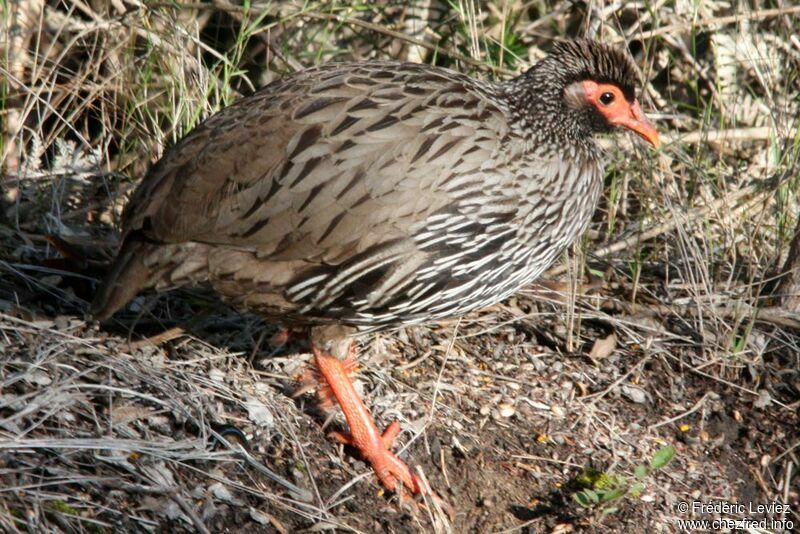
(662, 457)
(637, 489)
(597, 272)
(582, 499)
(605, 481)
(610, 510)
(592, 495)
(640, 472)
(614, 494)
(589, 477)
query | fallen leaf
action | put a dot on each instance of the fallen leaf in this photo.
(635, 394)
(222, 493)
(763, 399)
(259, 413)
(603, 347)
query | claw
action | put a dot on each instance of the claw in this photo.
(374, 447)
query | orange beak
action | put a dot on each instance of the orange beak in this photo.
(636, 122)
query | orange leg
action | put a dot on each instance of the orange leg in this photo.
(375, 447)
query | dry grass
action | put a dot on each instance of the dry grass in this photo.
(662, 327)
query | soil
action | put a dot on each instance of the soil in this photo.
(515, 422)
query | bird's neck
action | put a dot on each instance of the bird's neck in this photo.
(538, 112)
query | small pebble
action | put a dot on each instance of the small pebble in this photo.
(506, 410)
(635, 394)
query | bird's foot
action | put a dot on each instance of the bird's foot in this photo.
(373, 445)
(312, 379)
(284, 336)
(393, 473)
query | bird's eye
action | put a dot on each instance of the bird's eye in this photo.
(606, 98)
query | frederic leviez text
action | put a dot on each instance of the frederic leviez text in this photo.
(723, 507)
(692, 513)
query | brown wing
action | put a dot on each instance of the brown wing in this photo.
(327, 175)
(327, 162)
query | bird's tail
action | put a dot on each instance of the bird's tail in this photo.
(143, 264)
(128, 275)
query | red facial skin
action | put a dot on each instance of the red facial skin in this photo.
(618, 111)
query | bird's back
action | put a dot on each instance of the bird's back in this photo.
(369, 193)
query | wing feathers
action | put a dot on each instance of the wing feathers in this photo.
(337, 189)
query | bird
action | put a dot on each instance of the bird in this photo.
(356, 197)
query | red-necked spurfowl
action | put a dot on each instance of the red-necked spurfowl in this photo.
(379, 194)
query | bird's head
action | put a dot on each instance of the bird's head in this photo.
(585, 87)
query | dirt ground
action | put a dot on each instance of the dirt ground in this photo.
(110, 435)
